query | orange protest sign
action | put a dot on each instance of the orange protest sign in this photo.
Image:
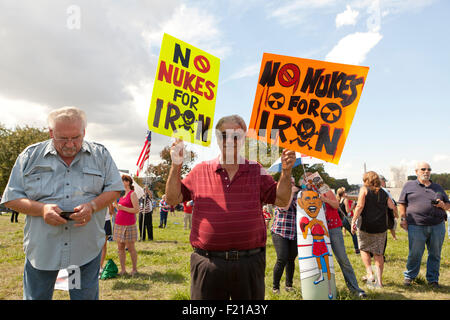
(306, 105)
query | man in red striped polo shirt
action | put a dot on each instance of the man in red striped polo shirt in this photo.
(228, 230)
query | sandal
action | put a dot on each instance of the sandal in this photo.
(368, 279)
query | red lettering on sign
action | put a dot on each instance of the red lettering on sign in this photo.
(202, 64)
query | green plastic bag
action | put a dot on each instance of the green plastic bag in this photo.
(110, 270)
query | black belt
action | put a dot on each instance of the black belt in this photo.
(233, 255)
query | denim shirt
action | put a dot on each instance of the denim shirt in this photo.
(40, 174)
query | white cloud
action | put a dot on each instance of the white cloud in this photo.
(348, 17)
(248, 71)
(195, 26)
(440, 163)
(441, 158)
(345, 170)
(295, 12)
(20, 113)
(106, 67)
(353, 48)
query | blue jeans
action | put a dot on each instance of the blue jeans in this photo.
(163, 219)
(40, 284)
(338, 246)
(347, 225)
(419, 236)
(448, 224)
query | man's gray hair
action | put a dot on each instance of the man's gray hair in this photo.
(420, 164)
(233, 118)
(66, 114)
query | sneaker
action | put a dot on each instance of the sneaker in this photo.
(289, 289)
(275, 291)
(434, 285)
(407, 282)
(362, 294)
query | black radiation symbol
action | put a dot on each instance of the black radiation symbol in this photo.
(331, 112)
(306, 129)
(276, 100)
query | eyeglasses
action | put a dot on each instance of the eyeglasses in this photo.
(66, 140)
(425, 169)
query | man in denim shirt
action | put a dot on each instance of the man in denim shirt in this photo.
(63, 174)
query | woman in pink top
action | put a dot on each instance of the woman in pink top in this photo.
(125, 229)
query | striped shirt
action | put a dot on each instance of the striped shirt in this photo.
(163, 206)
(147, 201)
(228, 214)
(284, 223)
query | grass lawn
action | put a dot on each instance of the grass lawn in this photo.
(163, 266)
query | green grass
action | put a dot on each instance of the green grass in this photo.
(163, 266)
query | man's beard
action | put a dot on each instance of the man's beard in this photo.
(69, 152)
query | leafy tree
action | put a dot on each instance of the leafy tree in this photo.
(443, 179)
(12, 143)
(265, 152)
(160, 172)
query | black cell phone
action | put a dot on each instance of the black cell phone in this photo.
(434, 201)
(66, 214)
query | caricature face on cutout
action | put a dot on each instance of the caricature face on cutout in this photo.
(310, 202)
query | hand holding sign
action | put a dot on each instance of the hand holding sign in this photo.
(287, 159)
(177, 152)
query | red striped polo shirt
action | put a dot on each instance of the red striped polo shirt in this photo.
(228, 214)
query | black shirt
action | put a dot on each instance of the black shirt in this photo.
(374, 214)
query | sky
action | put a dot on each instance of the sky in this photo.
(101, 56)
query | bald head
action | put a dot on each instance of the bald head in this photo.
(422, 164)
(423, 172)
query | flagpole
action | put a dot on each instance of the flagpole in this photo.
(143, 158)
(145, 201)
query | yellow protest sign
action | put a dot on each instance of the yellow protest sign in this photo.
(306, 105)
(184, 92)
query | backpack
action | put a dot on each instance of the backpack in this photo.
(110, 270)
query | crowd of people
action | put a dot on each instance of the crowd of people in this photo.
(66, 186)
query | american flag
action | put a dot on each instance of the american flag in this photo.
(144, 153)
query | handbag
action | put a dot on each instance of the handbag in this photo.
(110, 270)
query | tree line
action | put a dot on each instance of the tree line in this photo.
(14, 141)
(443, 179)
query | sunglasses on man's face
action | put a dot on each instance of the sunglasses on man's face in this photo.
(425, 169)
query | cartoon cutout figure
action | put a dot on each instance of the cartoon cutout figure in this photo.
(311, 203)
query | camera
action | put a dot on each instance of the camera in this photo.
(434, 201)
(66, 214)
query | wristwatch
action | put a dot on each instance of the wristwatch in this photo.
(94, 206)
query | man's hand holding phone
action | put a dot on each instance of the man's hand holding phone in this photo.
(52, 215)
